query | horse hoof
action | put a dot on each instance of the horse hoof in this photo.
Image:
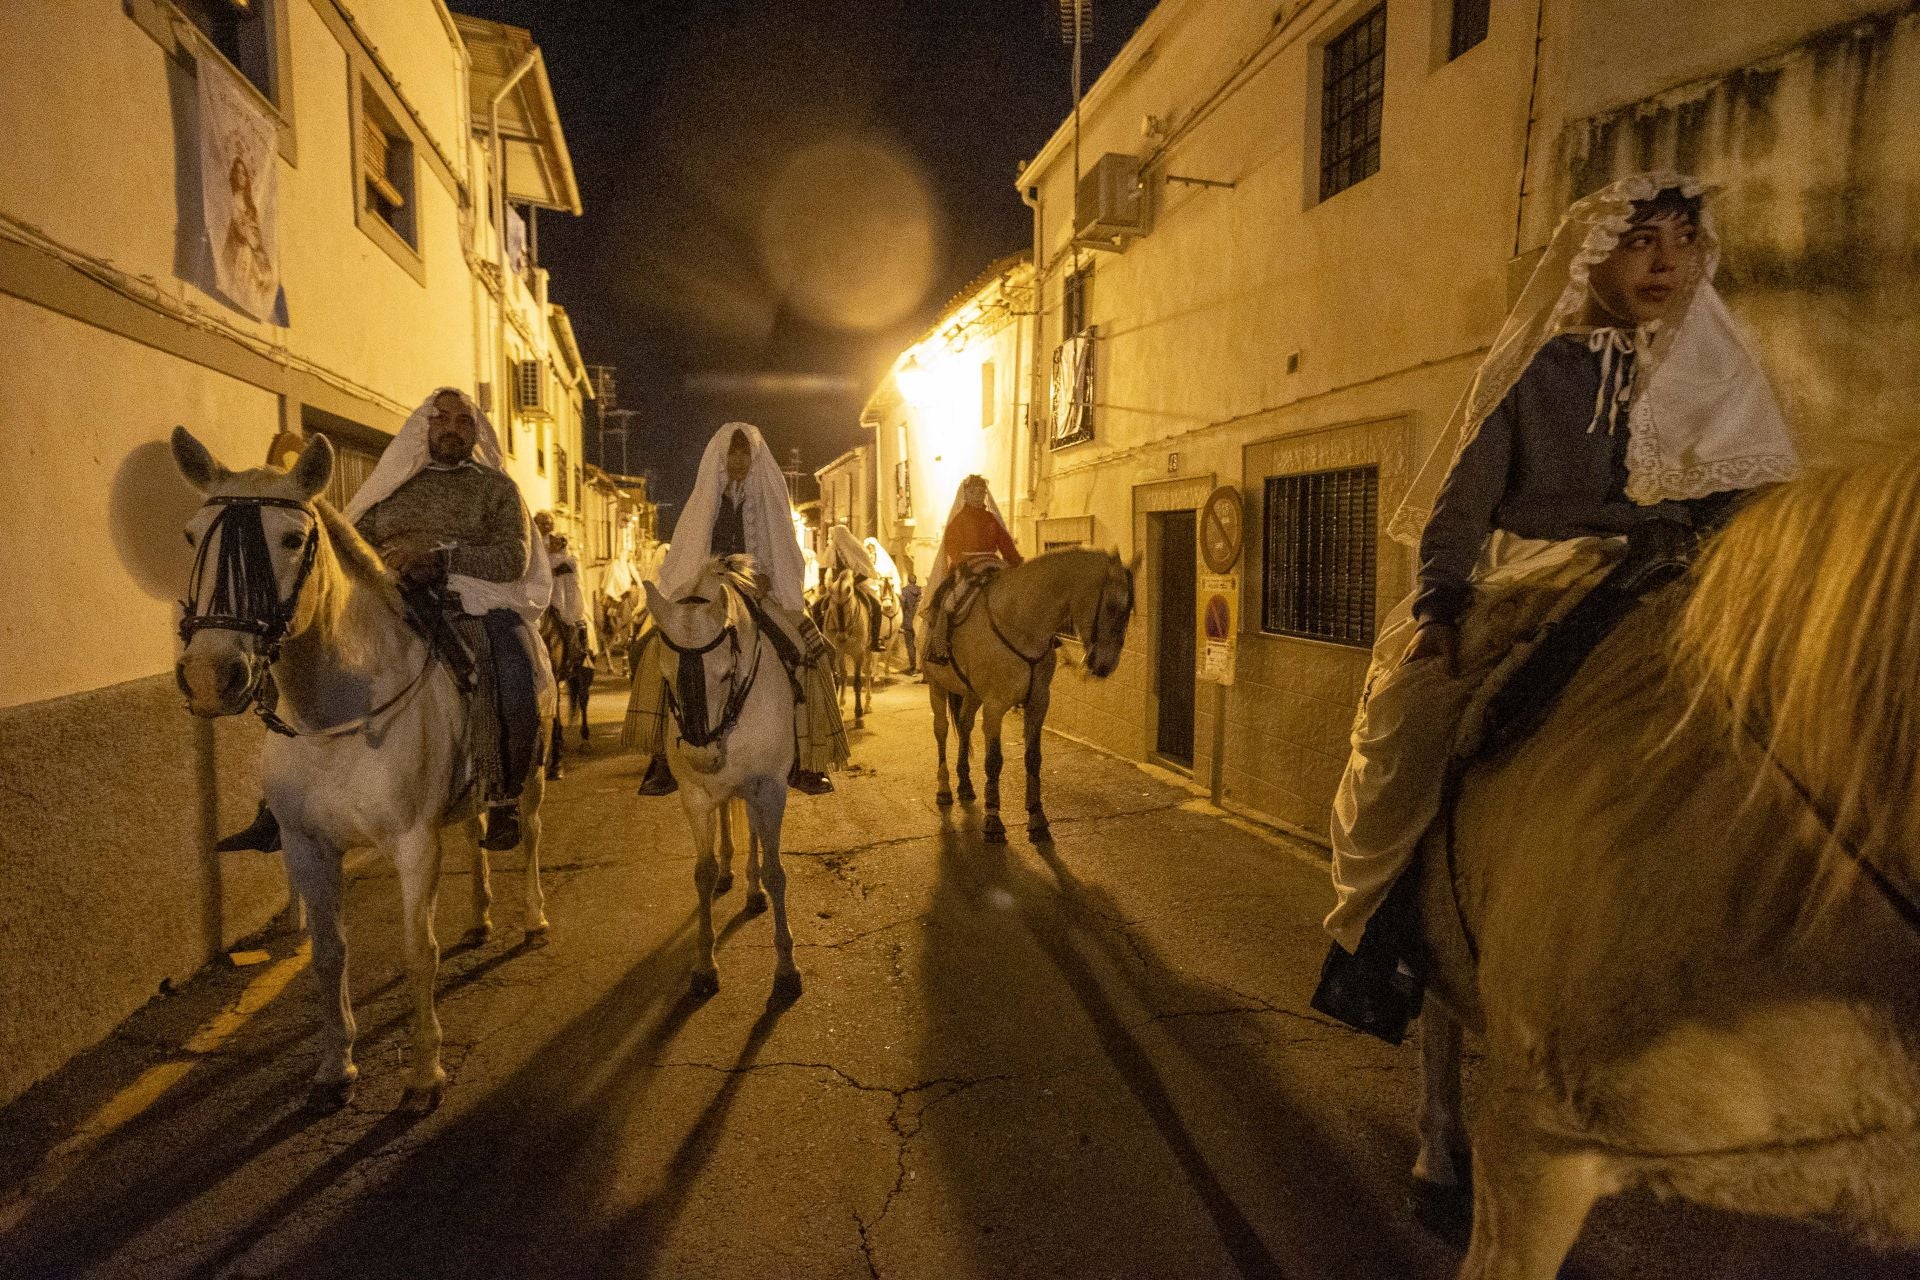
(965, 793)
(1446, 1211)
(786, 988)
(423, 1099)
(944, 799)
(723, 884)
(756, 903)
(1042, 834)
(537, 927)
(994, 835)
(704, 986)
(324, 1097)
(478, 936)
(554, 775)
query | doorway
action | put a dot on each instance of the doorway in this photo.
(1174, 647)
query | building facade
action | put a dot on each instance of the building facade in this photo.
(1276, 246)
(847, 497)
(262, 222)
(955, 404)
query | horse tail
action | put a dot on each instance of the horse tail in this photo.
(954, 702)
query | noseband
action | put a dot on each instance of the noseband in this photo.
(687, 693)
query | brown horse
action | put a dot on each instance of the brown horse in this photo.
(1685, 915)
(1002, 657)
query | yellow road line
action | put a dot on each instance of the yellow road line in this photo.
(152, 1084)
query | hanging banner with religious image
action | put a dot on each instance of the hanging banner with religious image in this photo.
(1072, 391)
(1217, 610)
(239, 188)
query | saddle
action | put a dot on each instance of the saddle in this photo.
(962, 587)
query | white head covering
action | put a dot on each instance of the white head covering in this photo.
(766, 514)
(407, 457)
(959, 501)
(1701, 419)
(852, 553)
(619, 579)
(882, 561)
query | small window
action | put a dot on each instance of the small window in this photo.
(989, 396)
(386, 168)
(1076, 309)
(902, 491)
(1352, 93)
(1320, 540)
(243, 33)
(1469, 26)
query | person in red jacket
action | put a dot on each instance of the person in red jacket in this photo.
(974, 531)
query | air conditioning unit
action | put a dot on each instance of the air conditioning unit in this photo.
(1110, 204)
(530, 388)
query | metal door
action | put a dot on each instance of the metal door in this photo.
(1174, 660)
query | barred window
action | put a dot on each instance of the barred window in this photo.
(1469, 26)
(1353, 90)
(1320, 535)
(1076, 302)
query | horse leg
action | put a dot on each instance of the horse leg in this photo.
(766, 805)
(417, 857)
(316, 875)
(723, 847)
(1442, 1196)
(756, 895)
(968, 706)
(993, 831)
(556, 738)
(943, 791)
(859, 690)
(482, 927)
(1529, 1201)
(1033, 718)
(531, 800)
(706, 873)
(582, 695)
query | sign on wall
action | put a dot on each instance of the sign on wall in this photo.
(1217, 612)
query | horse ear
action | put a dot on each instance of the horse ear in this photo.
(1133, 565)
(314, 467)
(656, 602)
(195, 462)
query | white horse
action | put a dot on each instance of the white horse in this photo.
(371, 746)
(731, 736)
(844, 614)
(1684, 916)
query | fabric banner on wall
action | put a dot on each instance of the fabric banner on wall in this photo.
(239, 189)
(1072, 390)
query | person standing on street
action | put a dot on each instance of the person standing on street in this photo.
(909, 606)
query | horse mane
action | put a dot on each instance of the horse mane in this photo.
(360, 564)
(1802, 623)
(740, 572)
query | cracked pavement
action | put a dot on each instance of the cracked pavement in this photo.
(1090, 1058)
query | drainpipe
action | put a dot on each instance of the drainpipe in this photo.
(525, 65)
(1030, 197)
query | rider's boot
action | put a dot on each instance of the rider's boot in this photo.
(659, 780)
(808, 781)
(263, 833)
(503, 827)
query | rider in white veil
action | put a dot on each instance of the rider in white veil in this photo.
(739, 506)
(1618, 413)
(850, 554)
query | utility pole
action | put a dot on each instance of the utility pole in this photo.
(621, 416)
(605, 398)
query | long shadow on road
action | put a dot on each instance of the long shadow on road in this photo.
(1278, 1192)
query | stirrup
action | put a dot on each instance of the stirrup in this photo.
(503, 827)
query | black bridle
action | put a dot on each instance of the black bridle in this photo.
(687, 693)
(246, 596)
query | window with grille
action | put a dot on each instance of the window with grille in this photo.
(1320, 538)
(386, 168)
(529, 386)
(1076, 302)
(1469, 25)
(1353, 89)
(243, 33)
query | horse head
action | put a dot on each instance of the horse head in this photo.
(700, 630)
(1104, 628)
(254, 541)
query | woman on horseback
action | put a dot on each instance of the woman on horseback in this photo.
(1618, 409)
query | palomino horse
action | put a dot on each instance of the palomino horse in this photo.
(369, 747)
(1002, 657)
(731, 736)
(572, 665)
(1685, 915)
(844, 613)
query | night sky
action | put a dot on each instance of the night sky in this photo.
(785, 187)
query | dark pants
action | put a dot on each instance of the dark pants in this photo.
(516, 697)
(906, 634)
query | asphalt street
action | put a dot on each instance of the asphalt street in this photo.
(1091, 1058)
